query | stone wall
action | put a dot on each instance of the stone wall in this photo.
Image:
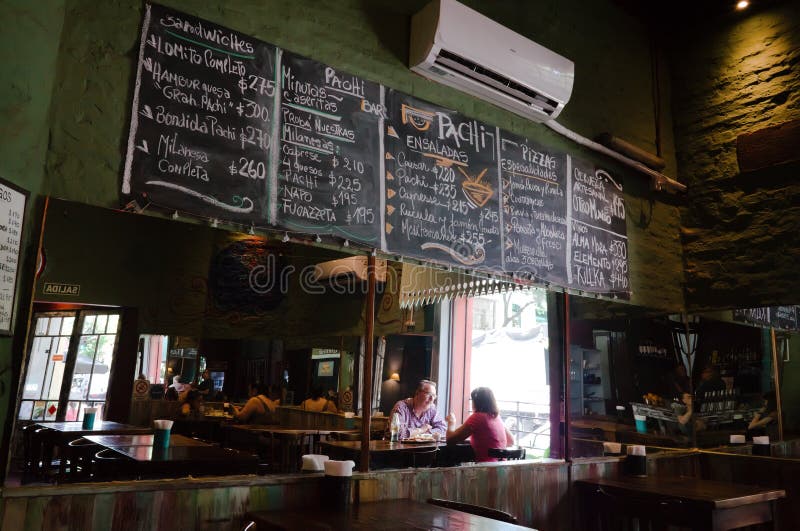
(741, 232)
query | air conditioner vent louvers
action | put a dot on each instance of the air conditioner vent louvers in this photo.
(474, 71)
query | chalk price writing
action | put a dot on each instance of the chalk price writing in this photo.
(248, 168)
(618, 207)
(252, 109)
(254, 136)
(618, 249)
(349, 164)
(341, 182)
(444, 174)
(258, 84)
(490, 215)
(363, 215)
(473, 238)
(446, 190)
(459, 206)
(344, 198)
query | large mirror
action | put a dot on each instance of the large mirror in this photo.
(674, 381)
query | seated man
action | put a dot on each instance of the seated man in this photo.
(419, 413)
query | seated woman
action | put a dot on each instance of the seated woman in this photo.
(318, 403)
(765, 421)
(258, 409)
(192, 405)
(484, 427)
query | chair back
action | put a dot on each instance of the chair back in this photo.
(507, 454)
(480, 510)
(424, 458)
(76, 463)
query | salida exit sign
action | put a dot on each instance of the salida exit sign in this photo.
(59, 288)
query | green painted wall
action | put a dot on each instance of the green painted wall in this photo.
(70, 94)
(741, 231)
(29, 48)
(612, 93)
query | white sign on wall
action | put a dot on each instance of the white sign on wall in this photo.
(12, 213)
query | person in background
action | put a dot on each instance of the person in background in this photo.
(318, 403)
(709, 381)
(192, 405)
(180, 388)
(765, 421)
(258, 409)
(679, 383)
(206, 386)
(418, 413)
(484, 427)
(687, 423)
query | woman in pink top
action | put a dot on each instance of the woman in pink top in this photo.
(484, 427)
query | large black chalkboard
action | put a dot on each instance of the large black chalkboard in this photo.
(597, 237)
(534, 181)
(328, 178)
(782, 317)
(202, 119)
(442, 189)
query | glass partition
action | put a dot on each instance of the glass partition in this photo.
(640, 377)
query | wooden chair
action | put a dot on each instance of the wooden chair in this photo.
(76, 463)
(109, 465)
(424, 458)
(507, 454)
(480, 510)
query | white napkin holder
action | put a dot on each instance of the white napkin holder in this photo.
(339, 468)
(314, 462)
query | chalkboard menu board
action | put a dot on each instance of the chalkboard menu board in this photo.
(597, 240)
(783, 317)
(226, 126)
(201, 126)
(442, 189)
(534, 181)
(12, 213)
(329, 171)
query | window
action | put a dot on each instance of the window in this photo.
(506, 350)
(69, 365)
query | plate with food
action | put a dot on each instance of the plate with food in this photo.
(419, 439)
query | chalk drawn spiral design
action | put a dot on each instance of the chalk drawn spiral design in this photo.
(245, 205)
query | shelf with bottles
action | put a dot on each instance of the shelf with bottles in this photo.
(651, 349)
(736, 357)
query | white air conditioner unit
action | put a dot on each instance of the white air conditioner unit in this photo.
(459, 47)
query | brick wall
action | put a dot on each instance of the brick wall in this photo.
(741, 232)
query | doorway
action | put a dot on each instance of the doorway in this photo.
(70, 359)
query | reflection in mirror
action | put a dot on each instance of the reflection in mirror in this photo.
(638, 377)
(125, 303)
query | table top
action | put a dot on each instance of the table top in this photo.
(115, 441)
(105, 426)
(267, 428)
(383, 446)
(386, 515)
(717, 494)
(184, 454)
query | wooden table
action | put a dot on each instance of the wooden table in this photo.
(685, 501)
(194, 459)
(386, 515)
(385, 454)
(73, 430)
(116, 441)
(283, 447)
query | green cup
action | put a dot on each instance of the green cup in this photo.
(160, 438)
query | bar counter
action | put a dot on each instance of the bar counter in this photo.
(533, 491)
